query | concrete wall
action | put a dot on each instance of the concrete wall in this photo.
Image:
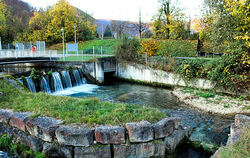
(146, 74)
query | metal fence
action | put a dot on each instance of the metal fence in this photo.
(28, 53)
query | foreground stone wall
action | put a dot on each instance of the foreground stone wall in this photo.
(52, 137)
(240, 122)
(144, 73)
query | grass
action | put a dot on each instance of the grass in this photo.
(88, 44)
(240, 149)
(10, 144)
(71, 110)
(98, 43)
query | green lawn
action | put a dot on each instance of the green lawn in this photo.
(71, 110)
(98, 43)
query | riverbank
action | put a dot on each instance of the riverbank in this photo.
(212, 103)
(90, 110)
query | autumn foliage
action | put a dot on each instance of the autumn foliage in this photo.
(150, 47)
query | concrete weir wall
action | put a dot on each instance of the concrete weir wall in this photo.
(143, 73)
(52, 137)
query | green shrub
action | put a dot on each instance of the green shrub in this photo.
(127, 49)
(178, 48)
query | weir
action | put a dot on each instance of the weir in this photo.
(44, 85)
(66, 79)
(30, 84)
(57, 81)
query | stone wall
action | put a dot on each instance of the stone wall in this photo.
(52, 137)
(240, 122)
(146, 74)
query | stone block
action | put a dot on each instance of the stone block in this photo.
(75, 135)
(155, 148)
(241, 120)
(164, 128)
(5, 115)
(140, 131)
(34, 143)
(176, 138)
(56, 150)
(95, 151)
(43, 127)
(18, 120)
(110, 135)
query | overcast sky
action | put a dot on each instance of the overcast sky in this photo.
(122, 9)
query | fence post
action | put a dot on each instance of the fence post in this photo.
(93, 51)
(82, 55)
(49, 55)
(146, 58)
(101, 51)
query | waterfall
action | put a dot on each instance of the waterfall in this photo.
(20, 80)
(57, 81)
(30, 84)
(44, 85)
(77, 77)
(84, 81)
(66, 79)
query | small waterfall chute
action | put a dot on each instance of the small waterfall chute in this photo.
(20, 80)
(57, 81)
(77, 77)
(66, 79)
(30, 84)
(44, 85)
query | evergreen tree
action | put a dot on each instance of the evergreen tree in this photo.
(107, 32)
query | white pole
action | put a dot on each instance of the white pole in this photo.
(75, 32)
(0, 43)
(63, 43)
(101, 50)
(93, 51)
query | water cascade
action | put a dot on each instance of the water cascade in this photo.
(44, 85)
(57, 81)
(20, 80)
(66, 79)
(77, 77)
(30, 84)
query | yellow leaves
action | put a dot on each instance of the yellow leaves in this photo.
(150, 47)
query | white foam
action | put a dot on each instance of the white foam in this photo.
(84, 88)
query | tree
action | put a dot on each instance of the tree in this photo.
(228, 24)
(107, 32)
(119, 27)
(140, 26)
(3, 21)
(169, 21)
(47, 24)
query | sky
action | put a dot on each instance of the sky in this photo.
(122, 9)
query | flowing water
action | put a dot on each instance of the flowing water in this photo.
(57, 81)
(44, 85)
(77, 77)
(30, 84)
(212, 129)
(66, 79)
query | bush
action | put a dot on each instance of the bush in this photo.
(149, 47)
(190, 68)
(127, 49)
(178, 48)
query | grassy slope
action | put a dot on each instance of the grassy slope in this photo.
(71, 110)
(240, 149)
(88, 44)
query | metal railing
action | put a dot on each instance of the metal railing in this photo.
(28, 53)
